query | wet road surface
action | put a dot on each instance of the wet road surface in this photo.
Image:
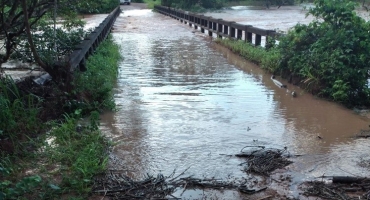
(186, 103)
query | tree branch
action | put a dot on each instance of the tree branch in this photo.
(29, 36)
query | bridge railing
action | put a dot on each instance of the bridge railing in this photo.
(221, 28)
(82, 51)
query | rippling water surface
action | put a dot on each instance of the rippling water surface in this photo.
(185, 102)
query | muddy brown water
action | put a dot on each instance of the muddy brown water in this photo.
(185, 102)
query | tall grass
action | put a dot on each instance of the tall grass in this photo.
(78, 153)
(18, 114)
(267, 59)
(94, 87)
(72, 152)
(152, 3)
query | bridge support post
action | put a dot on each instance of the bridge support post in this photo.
(226, 29)
(258, 40)
(82, 65)
(219, 28)
(240, 34)
(248, 37)
(232, 30)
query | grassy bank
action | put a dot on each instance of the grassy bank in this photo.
(267, 59)
(328, 57)
(152, 3)
(58, 158)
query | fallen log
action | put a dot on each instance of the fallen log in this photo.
(348, 179)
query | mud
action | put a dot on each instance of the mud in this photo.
(186, 102)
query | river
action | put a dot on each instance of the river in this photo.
(186, 103)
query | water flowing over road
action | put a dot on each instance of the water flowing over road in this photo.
(185, 102)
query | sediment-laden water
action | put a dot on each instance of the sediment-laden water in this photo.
(186, 103)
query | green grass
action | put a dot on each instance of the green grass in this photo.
(65, 165)
(267, 59)
(152, 3)
(94, 87)
(80, 152)
(63, 161)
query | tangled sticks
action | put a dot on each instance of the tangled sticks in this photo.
(120, 186)
(263, 160)
(116, 185)
(342, 191)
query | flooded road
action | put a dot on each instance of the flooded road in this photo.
(186, 104)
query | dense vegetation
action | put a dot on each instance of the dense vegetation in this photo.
(43, 158)
(95, 6)
(32, 32)
(46, 151)
(328, 57)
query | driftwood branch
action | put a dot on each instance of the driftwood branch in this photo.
(262, 160)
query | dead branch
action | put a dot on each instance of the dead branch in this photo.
(263, 160)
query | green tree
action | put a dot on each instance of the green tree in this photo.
(330, 55)
(26, 27)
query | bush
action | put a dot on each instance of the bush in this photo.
(97, 6)
(330, 55)
(64, 160)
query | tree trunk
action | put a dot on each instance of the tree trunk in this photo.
(59, 71)
(29, 36)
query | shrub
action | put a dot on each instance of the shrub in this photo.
(330, 55)
(96, 6)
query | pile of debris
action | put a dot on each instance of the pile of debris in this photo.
(341, 187)
(262, 160)
(119, 186)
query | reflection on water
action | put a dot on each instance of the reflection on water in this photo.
(185, 102)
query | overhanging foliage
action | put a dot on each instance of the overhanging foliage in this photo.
(330, 55)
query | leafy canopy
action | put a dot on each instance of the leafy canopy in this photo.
(330, 54)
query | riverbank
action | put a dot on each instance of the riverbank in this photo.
(61, 157)
(186, 102)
